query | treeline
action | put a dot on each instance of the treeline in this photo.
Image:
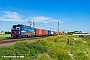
(8, 32)
(70, 33)
(76, 32)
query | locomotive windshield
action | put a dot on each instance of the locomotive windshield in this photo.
(15, 27)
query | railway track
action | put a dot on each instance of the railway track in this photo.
(20, 39)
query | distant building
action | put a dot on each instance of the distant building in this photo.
(89, 32)
(2, 32)
(83, 33)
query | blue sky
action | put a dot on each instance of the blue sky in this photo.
(72, 14)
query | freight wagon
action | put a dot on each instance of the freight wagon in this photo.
(27, 31)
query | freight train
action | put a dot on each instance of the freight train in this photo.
(21, 30)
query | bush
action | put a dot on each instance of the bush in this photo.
(59, 53)
(23, 49)
(51, 48)
(44, 56)
(37, 46)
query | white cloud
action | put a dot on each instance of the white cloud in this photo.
(43, 19)
(15, 17)
(40, 18)
(11, 16)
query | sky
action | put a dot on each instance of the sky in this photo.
(73, 15)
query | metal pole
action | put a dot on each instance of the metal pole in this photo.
(33, 24)
(30, 23)
(58, 26)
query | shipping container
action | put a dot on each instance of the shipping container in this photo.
(40, 32)
(57, 33)
(49, 32)
(37, 32)
(43, 33)
(46, 32)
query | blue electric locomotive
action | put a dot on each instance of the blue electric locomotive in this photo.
(22, 31)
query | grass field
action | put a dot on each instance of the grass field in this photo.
(65, 47)
(4, 36)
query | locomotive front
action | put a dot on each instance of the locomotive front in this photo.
(15, 31)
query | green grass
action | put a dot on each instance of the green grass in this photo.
(4, 36)
(65, 47)
(22, 49)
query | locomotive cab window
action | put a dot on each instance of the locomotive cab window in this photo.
(14, 27)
